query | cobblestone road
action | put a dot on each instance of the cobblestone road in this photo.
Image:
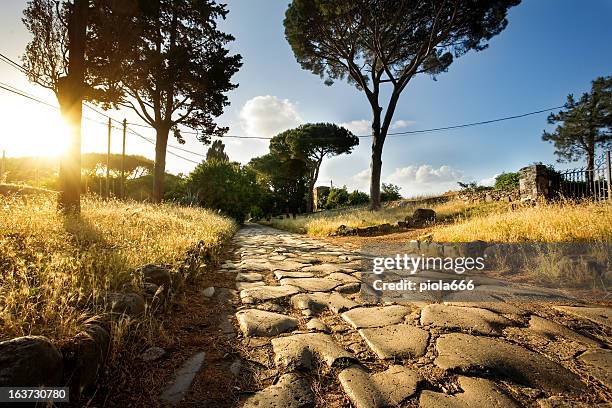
(308, 338)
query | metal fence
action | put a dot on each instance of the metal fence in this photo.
(583, 183)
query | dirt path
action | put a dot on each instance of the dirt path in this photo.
(305, 336)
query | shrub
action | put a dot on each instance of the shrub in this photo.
(507, 181)
(358, 198)
(337, 198)
(390, 192)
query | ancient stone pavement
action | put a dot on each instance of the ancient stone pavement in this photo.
(307, 338)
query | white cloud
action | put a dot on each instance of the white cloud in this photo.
(361, 180)
(266, 116)
(400, 124)
(358, 127)
(489, 182)
(425, 179)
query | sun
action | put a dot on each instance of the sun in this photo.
(33, 131)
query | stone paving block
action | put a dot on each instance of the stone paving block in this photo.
(477, 392)
(464, 318)
(338, 303)
(299, 350)
(263, 293)
(249, 277)
(465, 352)
(248, 285)
(254, 322)
(317, 325)
(375, 316)
(384, 389)
(253, 265)
(496, 306)
(292, 274)
(599, 364)
(342, 277)
(396, 341)
(291, 391)
(311, 284)
(599, 315)
(324, 268)
(176, 391)
(288, 265)
(554, 330)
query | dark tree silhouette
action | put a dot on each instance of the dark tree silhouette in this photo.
(584, 125)
(216, 152)
(377, 42)
(179, 72)
(75, 50)
(311, 143)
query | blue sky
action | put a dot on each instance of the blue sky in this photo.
(549, 49)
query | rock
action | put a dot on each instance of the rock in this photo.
(298, 351)
(384, 389)
(292, 274)
(599, 315)
(176, 391)
(561, 402)
(599, 364)
(349, 288)
(465, 352)
(254, 322)
(423, 215)
(311, 284)
(248, 285)
(396, 341)
(131, 304)
(288, 265)
(152, 354)
(291, 391)
(342, 278)
(464, 318)
(208, 292)
(553, 330)
(253, 265)
(338, 303)
(235, 367)
(249, 277)
(30, 361)
(494, 305)
(85, 357)
(270, 307)
(158, 275)
(325, 269)
(375, 316)
(263, 293)
(477, 392)
(317, 325)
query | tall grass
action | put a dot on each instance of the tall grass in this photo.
(555, 222)
(326, 223)
(55, 270)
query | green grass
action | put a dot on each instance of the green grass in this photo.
(56, 270)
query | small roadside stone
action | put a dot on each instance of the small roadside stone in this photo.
(317, 325)
(208, 292)
(30, 361)
(156, 274)
(152, 354)
(263, 293)
(260, 323)
(311, 284)
(248, 285)
(349, 288)
(249, 277)
(131, 304)
(375, 316)
(384, 389)
(291, 391)
(396, 341)
(176, 391)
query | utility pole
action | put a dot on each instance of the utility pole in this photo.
(108, 160)
(122, 187)
(609, 174)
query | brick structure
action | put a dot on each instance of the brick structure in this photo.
(535, 183)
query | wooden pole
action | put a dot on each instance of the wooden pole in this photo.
(107, 194)
(609, 175)
(122, 187)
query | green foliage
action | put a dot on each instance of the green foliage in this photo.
(217, 152)
(337, 197)
(472, 187)
(585, 125)
(224, 186)
(507, 181)
(358, 198)
(390, 192)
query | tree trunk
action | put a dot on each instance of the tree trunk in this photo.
(376, 162)
(310, 205)
(161, 143)
(70, 98)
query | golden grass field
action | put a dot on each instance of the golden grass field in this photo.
(458, 221)
(56, 270)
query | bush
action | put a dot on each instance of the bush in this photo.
(390, 192)
(507, 181)
(358, 198)
(224, 186)
(337, 198)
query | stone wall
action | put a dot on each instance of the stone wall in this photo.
(535, 183)
(488, 196)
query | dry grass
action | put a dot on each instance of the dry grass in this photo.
(557, 222)
(56, 270)
(327, 222)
